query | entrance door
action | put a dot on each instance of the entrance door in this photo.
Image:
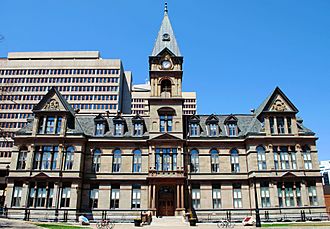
(166, 201)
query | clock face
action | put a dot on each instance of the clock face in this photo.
(166, 64)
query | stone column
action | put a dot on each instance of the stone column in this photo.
(286, 127)
(273, 194)
(25, 194)
(9, 194)
(179, 159)
(30, 156)
(275, 126)
(74, 195)
(182, 196)
(177, 196)
(61, 157)
(149, 196)
(304, 194)
(56, 195)
(153, 196)
(104, 196)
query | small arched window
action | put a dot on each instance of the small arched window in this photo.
(234, 159)
(68, 163)
(261, 154)
(116, 161)
(96, 160)
(137, 161)
(166, 87)
(194, 161)
(214, 161)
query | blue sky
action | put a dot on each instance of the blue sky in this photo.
(236, 52)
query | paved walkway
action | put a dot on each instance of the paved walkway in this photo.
(9, 223)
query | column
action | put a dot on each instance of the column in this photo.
(286, 128)
(179, 159)
(275, 126)
(56, 195)
(60, 157)
(153, 196)
(29, 159)
(182, 197)
(151, 158)
(294, 193)
(273, 194)
(304, 194)
(104, 196)
(149, 196)
(25, 195)
(9, 194)
(177, 196)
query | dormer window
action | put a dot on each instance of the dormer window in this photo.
(99, 130)
(138, 129)
(213, 129)
(231, 126)
(212, 124)
(101, 126)
(50, 125)
(194, 129)
(118, 129)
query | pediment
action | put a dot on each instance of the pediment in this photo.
(137, 118)
(212, 119)
(288, 175)
(279, 104)
(194, 119)
(165, 137)
(53, 101)
(41, 175)
(231, 119)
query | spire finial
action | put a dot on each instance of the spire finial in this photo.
(165, 10)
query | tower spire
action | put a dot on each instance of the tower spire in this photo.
(165, 9)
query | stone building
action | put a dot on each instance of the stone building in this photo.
(165, 162)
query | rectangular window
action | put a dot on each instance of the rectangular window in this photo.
(216, 196)
(21, 163)
(41, 125)
(136, 196)
(93, 197)
(284, 156)
(166, 123)
(312, 195)
(265, 194)
(288, 194)
(41, 197)
(196, 198)
(293, 160)
(116, 163)
(262, 160)
(280, 125)
(118, 129)
(232, 130)
(215, 162)
(276, 163)
(65, 197)
(237, 196)
(114, 200)
(17, 195)
(58, 125)
(271, 123)
(137, 162)
(50, 125)
(235, 168)
(307, 159)
(138, 129)
(280, 195)
(99, 131)
(289, 125)
(213, 130)
(193, 129)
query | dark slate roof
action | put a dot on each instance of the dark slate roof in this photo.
(168, 41)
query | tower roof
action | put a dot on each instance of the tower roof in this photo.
(166, 37)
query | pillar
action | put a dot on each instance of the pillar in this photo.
(149, 196)
(182, 197)
(153, 196)
(177, 196)
(30, 155)
(25, 195)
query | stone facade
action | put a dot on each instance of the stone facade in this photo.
(166, 162)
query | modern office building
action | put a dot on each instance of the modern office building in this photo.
(89, 83)
(141, 95)
(325, 171)
(214, 165)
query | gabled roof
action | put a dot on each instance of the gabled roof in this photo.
(166, 38)
(231, 118)
(212, 119)
(165, 137)
(194, 119)
(270, 100)
(48, 96)
(137, 118)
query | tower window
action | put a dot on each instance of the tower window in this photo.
(166, 87)
(166, 123)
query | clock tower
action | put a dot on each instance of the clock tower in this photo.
(165, 72)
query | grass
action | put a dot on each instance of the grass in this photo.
(58, 226)
(308, 224)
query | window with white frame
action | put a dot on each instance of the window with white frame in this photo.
(69, 155)
(215, 161)
(45, 158)
(137, 161)
(96, 166)
(216, 196)
(261, 154)
(65, 197)
(166, 123)
(237, 196)
(194, 161)
(99, 129)
(312, 194)
(22, 156)
(232, 129)
(196, 197)
(93, 197)
(234, 159)
(116, 163)
(293, 160)
(307, 157)
(194, 129)
(271, 123)
(118, 129)
(265, 194)
(138, 129)
(280, 125)
(288, 195)
(114, 200)
(284, 157)
(213, 128)
(17, 196)
(136, 196)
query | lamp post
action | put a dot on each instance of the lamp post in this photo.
(258, 222)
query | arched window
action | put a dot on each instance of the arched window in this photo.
(307, 157)
(68, 164)
(116, 161)
(137, 161)
(214, 161)
(194, 161)
(166, 87)
(261, 154)
(22, 156)
(96, 160)
(234, 159)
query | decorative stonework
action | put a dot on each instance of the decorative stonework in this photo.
(52, 105)
(278, 105)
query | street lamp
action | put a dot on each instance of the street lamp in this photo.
(258, 222)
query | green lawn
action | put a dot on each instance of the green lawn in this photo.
(58, 226)
(308, 224)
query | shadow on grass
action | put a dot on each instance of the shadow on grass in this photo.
(58, 226)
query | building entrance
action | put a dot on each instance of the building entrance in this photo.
(166, 201)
